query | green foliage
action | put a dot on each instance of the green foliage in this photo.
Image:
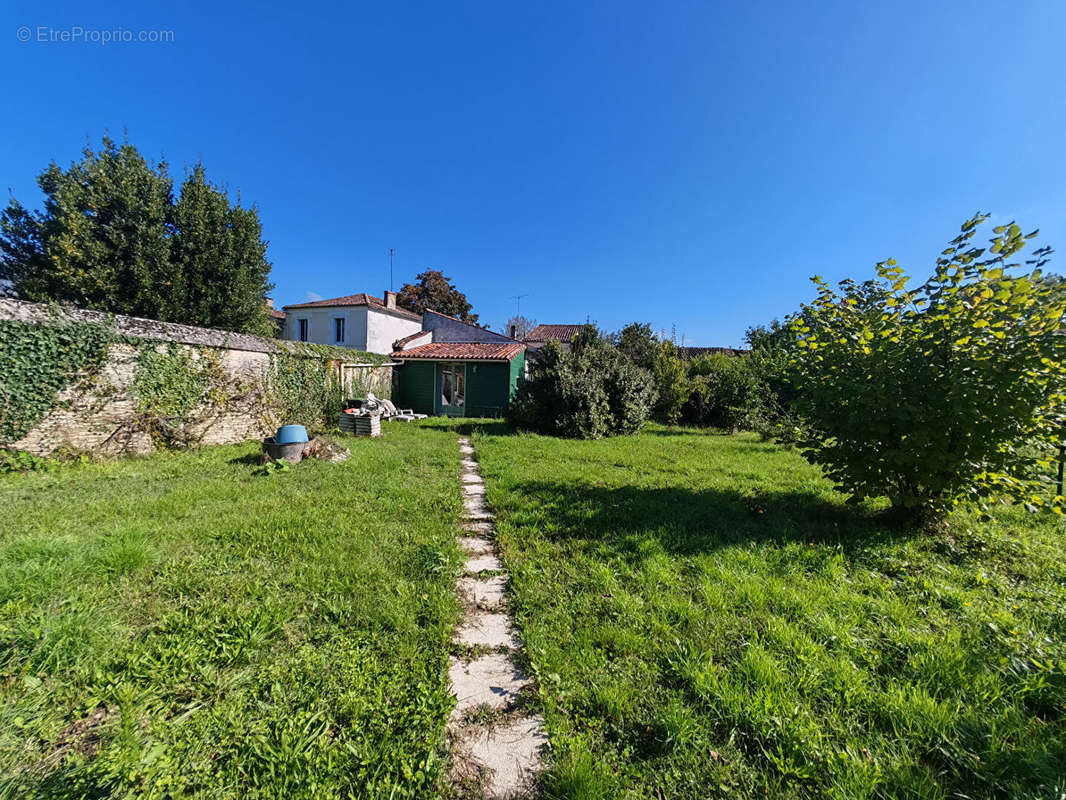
(433, 290)
(221, 258)
(687, 646)
(37, 362)
(672, 384)
(304, 391)
(21, 461)
(930, 395)
(169, 381)
(111, 237)
(724, 392)
(590, 392)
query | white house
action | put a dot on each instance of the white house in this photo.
(360, 321)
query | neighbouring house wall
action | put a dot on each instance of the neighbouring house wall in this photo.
(447, 329)
(321, 328)
(104, 411)
(384, 328)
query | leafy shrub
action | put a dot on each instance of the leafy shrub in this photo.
(305, 390)
(639, 345)
(928, 395)
(724, 393)
(591, 392)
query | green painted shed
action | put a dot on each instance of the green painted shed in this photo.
(459, 379)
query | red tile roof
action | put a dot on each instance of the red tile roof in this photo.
(547, 333)
(360, 299)
(463, 351)
(276, 314)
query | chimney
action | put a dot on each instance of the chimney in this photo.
(390, 299)
(512, 329)
(269, 302)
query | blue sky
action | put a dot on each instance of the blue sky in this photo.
(689, 165)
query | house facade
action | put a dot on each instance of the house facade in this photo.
(360, 321)
(456, 369)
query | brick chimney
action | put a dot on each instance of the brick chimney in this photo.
(269, 302)
(390, 299)
(512, 329)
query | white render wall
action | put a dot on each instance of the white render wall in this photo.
(384, 328)
(368, 329)
(320, 325)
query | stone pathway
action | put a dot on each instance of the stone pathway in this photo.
(496, 744)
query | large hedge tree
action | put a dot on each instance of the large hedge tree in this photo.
(942, 393)
(433, 290)
(590, 392)
(111, 237)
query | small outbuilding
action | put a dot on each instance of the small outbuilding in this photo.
(458, 379)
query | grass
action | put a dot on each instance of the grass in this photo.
(705, 617)
(179, 626)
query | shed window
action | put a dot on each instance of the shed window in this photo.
(338, 330)
(301, 329)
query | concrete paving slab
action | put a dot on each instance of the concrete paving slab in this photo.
(486, 593)
(484, 528)
(477, 564)
(473, 489)
(475, 545)
(491, 680)
(511, 754)
(471, 477)
(486, 628)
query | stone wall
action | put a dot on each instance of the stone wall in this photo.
(100, 413)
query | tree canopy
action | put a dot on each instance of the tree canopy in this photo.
(434, 291)
(111, 237)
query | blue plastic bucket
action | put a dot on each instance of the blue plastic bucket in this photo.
(290, 434)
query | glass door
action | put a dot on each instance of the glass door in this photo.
(453, 389)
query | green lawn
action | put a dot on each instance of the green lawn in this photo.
(706, 618)
(178, 626)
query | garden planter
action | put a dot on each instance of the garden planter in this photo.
(289, 451)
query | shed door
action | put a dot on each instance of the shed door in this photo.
(453, 389)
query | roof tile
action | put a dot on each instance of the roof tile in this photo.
(463, 351)
(547, 333)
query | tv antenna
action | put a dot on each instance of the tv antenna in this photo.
(392, 285)
(518, 303)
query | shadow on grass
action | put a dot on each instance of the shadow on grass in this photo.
(464, 426)
(689, 521)
(248, 460)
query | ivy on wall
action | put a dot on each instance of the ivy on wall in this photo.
(176, 388)
(39, 361)
(304, 390)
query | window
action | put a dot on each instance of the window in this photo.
(301, 329)
(338, 330)
(452, 385)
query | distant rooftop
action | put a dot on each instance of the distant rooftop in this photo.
(549, 333)
(360, 299)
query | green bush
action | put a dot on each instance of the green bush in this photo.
(724, 392)
(929, 395)
(591, 392)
